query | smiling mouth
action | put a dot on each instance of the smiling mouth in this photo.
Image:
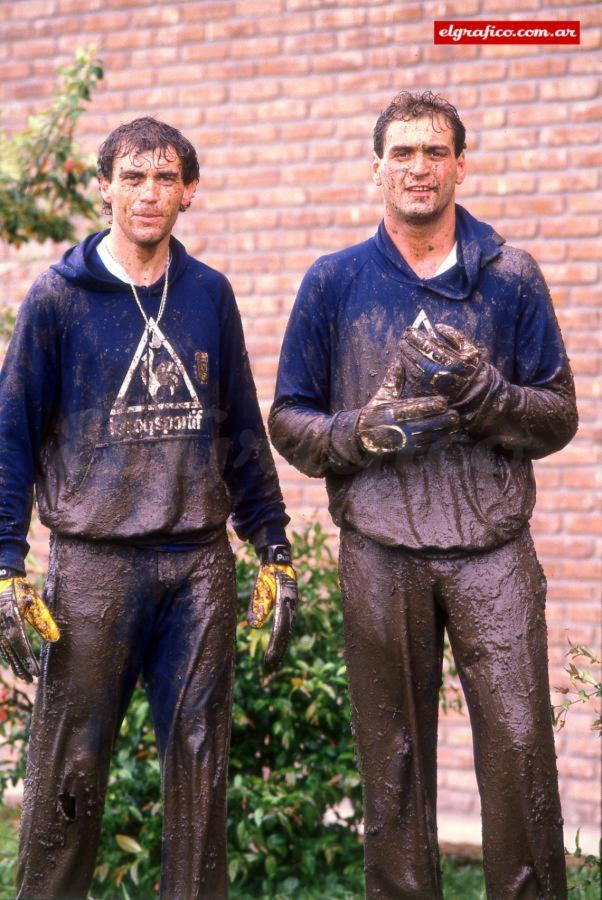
(416, 189)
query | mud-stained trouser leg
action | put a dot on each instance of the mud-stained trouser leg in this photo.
(395, 603)
(496, 621)
(123, 611)
(86, 682)
(189, 678)
(393, 648)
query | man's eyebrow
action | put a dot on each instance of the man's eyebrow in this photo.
(423, 146)
(134, 171)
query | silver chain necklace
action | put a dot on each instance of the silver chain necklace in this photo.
(155, 340)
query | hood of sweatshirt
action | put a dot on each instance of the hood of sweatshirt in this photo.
(478, 243)
(81, 266)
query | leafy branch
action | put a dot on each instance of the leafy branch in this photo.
(585, 685)
(43, 177)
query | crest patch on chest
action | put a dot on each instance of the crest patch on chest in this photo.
(201, 362)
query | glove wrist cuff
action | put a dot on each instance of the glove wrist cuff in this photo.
(10, 572)
(275, 553)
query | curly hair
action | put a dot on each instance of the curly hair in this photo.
(409, 105)
(142, 136)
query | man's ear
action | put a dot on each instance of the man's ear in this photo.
(105, 189)
(461, 164)
(189, 192)
(376, 164)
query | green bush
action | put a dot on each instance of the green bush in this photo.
(43, 177)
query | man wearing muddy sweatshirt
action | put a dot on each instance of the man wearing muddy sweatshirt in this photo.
(421, 372)
(127, 401)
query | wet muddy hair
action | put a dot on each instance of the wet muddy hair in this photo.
(409, 105)
(141, 136)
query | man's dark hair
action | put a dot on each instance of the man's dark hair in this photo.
(142, 136)
(409, 105)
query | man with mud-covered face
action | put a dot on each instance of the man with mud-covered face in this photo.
(421, 372)
(127, 400)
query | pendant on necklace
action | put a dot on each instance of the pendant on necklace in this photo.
(156, 341)
(154, 338)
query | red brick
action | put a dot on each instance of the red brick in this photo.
(512, 183)
(568, 89)
(585, 250)
(507, 6)
(289, 23)
(439, 54)
(307, 174)
(520, 92)
(538, 159)
(586, 65)
(586, 112)
(449, 9)
(508, 139)
(466, 73)
(568, 182)
(337, 106)
(389, 15)
(311, 86)
(576, 134)
(577, 548)
(585, 612)
(589, 524)
(533, 206)
(228, 31)
(366, 37)
(14, 71)
(337, 62)
(333, 19)
(487, 118)
(562, 500)
(583, 226)
(588, 203)
(538, 114)
(256, 47)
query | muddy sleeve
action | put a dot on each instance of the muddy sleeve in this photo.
(28, 388)
(258, 513)
(536, 412)
(302, 426)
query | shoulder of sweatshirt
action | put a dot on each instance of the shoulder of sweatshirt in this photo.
(515, 265)
(49, 295)
(215, 284)
(523, 279)
(340, 267)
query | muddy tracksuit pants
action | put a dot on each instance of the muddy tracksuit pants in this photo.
(396, 606)
(170, 618)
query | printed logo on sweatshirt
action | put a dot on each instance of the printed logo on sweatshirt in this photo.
(157, 398)
(422, 320)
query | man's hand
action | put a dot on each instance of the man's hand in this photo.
(275, 586)
(444, 362)
(19, 601)
(406, 426)
(387, 424)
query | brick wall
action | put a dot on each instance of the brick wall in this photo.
(280, 97)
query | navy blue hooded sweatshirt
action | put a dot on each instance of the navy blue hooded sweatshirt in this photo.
(349, 316)
(124, 440)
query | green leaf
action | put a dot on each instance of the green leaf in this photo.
(128, 844)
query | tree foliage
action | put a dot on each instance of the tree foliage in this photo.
(43, 177)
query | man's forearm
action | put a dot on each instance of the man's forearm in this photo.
(535, 420)
(316, 442)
